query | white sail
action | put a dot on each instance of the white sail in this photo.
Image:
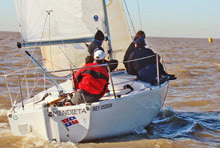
(69, 20)
(49, 20)
(61, 57)
(119, 30)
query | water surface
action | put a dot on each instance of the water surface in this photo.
(191, 113)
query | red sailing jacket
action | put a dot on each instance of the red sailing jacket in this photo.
(93, 80)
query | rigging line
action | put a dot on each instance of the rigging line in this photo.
(29, 61)
(67, 56)
(22, 80)
(32, 53)
(51, 59)
(128, 61)
(59, 88)
(45, 80)
(62, 49)
(129, 16)
(19, 104)
(17, 97)
(139, 14)
(48, 13)
(35, 84)
(52, 64)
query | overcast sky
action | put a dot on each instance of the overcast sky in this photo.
(165, 18)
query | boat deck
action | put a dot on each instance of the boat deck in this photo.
(124, 85)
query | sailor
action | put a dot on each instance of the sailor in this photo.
(97, 43)
(91, 83)
(145, 69)
(132, 47)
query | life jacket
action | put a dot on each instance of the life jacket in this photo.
(93, 80)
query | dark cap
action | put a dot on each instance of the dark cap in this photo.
(99, 35)
(140, 41)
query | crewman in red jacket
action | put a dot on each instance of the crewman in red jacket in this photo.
(91, 83)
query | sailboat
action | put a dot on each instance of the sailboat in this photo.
(61, 30)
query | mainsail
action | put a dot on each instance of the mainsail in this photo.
(47, 21)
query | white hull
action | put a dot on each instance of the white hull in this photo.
(106, 118)
(126, 115)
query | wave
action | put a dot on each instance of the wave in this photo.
(204, 126)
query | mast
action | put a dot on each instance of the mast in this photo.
(108, 31)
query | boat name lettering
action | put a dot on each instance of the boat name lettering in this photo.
(69, 112)
(101, 107)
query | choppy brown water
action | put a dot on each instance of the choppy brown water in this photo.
(191, 114)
